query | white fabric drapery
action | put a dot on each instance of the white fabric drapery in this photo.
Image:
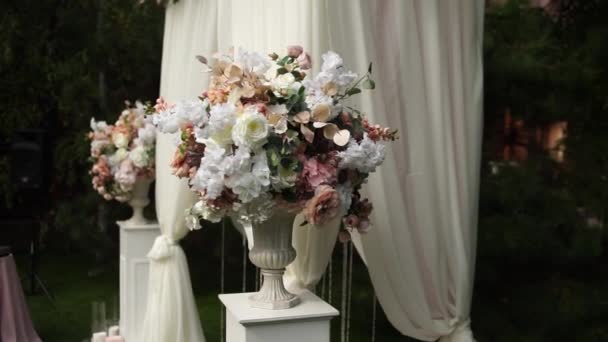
(420, 253)
(427, 63)
(171, 313)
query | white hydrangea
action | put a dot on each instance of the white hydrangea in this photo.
(167, 121)
(252, 61)
(194, 112)
(364, 156)
(251, 184)
(240, 161)
(139, 156)
(332, 72)
(210, 175)
(315, 94)
(146, 135)
(219, 127)
(188, 111)
(250, 130)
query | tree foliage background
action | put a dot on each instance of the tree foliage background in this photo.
(542, 245)
(63, 62)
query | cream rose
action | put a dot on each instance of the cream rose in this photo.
(282, 83)
(120, 140)
(250, 130)
(118, 157)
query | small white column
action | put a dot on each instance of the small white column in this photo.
(306, 322)
(135, 243)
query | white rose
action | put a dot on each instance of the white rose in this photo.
(139, 156)
(282, 83)
(250, 130)
(120, 140)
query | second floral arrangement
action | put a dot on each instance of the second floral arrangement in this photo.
(267, 136)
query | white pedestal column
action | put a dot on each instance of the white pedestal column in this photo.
(307, 322)
(135, 243)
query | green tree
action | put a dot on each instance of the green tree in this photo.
(61, 63)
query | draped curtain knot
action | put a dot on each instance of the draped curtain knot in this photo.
(162, 249)
(460, 331)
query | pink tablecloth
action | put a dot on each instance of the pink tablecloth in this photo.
(15, 322)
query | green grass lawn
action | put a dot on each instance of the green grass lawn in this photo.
(512, 303)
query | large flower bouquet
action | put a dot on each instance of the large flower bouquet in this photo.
(122, 153)
(264, 135)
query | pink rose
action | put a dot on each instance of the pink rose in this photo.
(294, 51)
(304, 61)
(323, 206)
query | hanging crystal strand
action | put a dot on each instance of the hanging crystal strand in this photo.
(330, 283)
(350, 289)
(374, 317)
(245, 250)
(343, 305)
(260, 277)
(222, 269)
(323, 281)
(257, 279)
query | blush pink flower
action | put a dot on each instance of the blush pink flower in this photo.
(294, 51)
(304, 61)
(101, 169)
(316, 173)
(161, 105)
(323, 206)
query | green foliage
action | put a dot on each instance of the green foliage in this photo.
(537, 251)
(63, 62)
(545, 67)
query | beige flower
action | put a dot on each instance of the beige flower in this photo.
(323, 206)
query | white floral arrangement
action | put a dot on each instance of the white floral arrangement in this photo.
(266, 135)
(122, 153)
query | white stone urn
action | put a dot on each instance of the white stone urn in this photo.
(272, 251)
(139, 200)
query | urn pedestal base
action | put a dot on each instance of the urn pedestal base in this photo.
(309, 321)
(273, 295)
(135, 243)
